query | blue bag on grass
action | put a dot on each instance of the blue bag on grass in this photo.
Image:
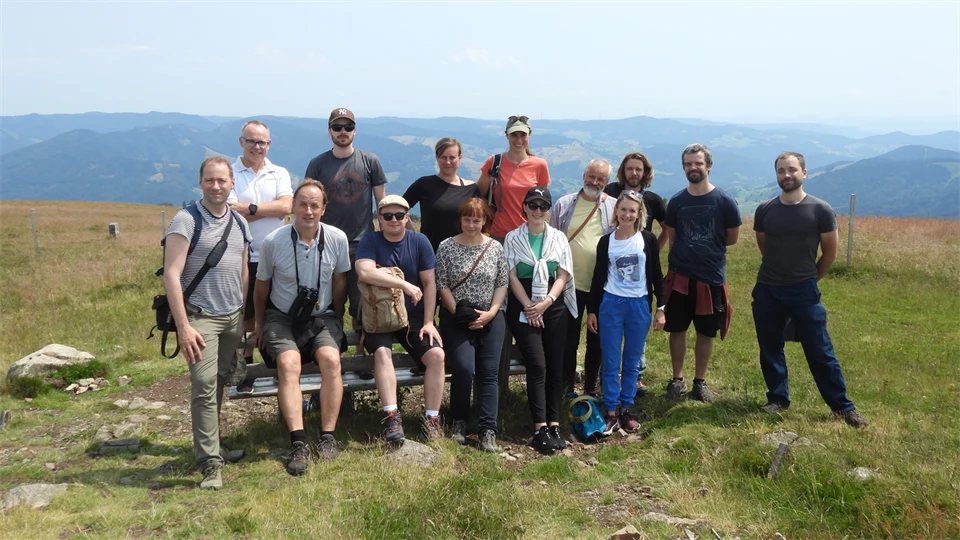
(586, 417)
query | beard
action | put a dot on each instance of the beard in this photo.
(592, 192)
(341, 142)
(633, 183)
(789, 186)
(695, 177)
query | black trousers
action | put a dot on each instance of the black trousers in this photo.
(591, 360)
(542, 350)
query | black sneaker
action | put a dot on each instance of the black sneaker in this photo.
(245, 386)
(394, 430)
(488, 441)
(702, 392)
(541, 441)
(327, 447)
(676, 388)
(298, 458)
(458, 431)
(556, 439)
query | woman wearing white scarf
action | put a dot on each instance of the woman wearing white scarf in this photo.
(541, 270)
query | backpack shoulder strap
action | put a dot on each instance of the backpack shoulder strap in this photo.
(197, 226)
(495, 168)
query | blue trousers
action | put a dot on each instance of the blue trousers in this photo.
(624, 323)
(772, 305)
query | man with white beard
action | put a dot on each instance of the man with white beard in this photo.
(585, 217)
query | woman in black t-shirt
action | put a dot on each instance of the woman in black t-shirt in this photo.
(440, 195)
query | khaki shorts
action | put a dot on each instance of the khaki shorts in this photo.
(278, 335)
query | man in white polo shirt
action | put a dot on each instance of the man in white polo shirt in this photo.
(263, 195)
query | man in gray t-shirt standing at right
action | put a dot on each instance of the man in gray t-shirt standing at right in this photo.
(790, 228)
(354, 181)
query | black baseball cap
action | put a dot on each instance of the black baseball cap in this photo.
(538, 193)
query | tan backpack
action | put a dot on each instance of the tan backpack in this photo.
(383, 309)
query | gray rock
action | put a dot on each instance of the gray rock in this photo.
(657, 516)
(120, 445)
(122, 403)
(155, 405)
(138, 418)
(593, 462)
(138, 403)
(47, 360)
(86, 382)
(862, 473)
(689, 533)
(507, 456)
(123, 380)
(414, 453)
(627, 533)
(103, 434)
(32, 495)
(124, 429)
(163, 417)
(103, 382)
(779, 536)
(4, 419)
(82, 390)
(126, 480)
(50, 466)
(776, 439)
(71, 388)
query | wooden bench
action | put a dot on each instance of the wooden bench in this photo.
(357, 373)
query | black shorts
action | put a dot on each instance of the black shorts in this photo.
(409, 339)
(682, 310)
(248, 311)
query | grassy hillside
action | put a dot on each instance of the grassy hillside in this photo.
(894, 317)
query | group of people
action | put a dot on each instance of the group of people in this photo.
(501, 259)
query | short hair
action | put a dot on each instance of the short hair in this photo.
(647, 169)
(697, 147)
(637, 198)
(445, 143)
(314, 183)
(601, 161)
(474, 208)
(253, 123)
(798, 155)
(216, 159)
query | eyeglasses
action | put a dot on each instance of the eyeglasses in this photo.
(387, 216)
(523, 119)
(534, 206)
(252, 142)
(340, 127)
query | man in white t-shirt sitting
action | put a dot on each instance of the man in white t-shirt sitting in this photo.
(263, 194)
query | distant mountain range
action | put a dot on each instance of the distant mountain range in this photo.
(153, 157)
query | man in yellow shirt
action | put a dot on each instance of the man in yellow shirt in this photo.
(585, 217)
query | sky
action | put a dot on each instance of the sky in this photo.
(895, 64)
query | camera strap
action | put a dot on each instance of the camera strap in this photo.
(296, 266)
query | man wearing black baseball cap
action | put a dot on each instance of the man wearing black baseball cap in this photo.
(354, 182)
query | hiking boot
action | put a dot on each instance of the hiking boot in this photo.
(327, 447)
(297, 458)
(394, 430)
(432, 430)
(556, 439)
(212, 477)
(676, 388)
(641, 388)
(231, 456)
(541, 441)
(459, 431)
(612, 425)
(702, 392)
(627, 421)
(853, 418)
(488, 441)
(774, 408)
(245, 387)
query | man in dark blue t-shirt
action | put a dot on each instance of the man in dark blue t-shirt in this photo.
(393, 245)
(702, 220)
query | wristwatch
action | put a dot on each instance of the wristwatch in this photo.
(552, 297)
(253, 209)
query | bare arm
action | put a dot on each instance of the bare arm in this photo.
(671, 235)
(733, 235)
(339, 292)
(662, 239)
(446, 299)
(517, 288)
(175, 257)
(761, 241)
(272, 209)
(483, 183)
(378, 193)
(429, 281)
(261, 290)
(828, 247)
(244, 277)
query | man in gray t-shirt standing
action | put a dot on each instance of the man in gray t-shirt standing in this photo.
(790, 228)
(354, 181)
(208, 322)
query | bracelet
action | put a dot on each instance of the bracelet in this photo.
(552, 297)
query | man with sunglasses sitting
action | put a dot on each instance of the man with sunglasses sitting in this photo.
(395, 246)
(354, 181)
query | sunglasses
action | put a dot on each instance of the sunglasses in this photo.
(387, 216)
(631, 194)
(254, 142)
(523, 119)
(340, 127)
(534, 206)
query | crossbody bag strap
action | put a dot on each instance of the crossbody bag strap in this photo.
(474, 267)
(584, 224)
(206, 266)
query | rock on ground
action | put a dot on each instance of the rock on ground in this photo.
(862, 473)
(32, 495)
(47, 360)
(657, 516)
(627, 533)
(414, 453)
(120, 445)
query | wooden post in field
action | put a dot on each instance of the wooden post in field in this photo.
(163, 223)
(36, 237)
(853, 209)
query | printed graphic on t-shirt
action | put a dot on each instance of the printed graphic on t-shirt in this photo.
(346, 187)
(697, 223)
(628, 270)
